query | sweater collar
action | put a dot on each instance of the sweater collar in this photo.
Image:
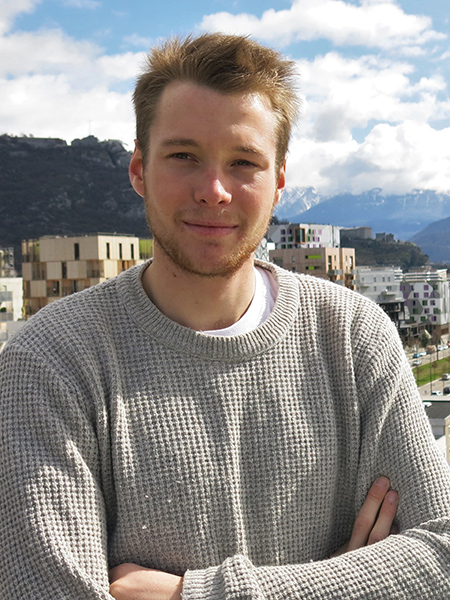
(187, 341)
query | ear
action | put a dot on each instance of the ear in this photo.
(135, 171)
(281, 183)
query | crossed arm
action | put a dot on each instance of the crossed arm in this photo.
(375, 521)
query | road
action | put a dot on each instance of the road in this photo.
(437, 384)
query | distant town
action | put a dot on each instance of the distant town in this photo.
(54, 266)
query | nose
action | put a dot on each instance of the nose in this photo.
(212, 189)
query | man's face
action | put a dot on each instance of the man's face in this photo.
(209, 182)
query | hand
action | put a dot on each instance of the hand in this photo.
(375, 520)
(132, 582)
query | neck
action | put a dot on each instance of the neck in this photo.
(200, 303)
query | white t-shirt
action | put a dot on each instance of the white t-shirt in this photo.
(260, 307)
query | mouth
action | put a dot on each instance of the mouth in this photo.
(210, 228)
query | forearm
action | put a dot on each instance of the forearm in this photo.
(403, 567)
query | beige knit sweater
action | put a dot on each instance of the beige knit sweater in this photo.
(239, 462)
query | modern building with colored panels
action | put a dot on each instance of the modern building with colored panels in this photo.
(303, 235)
(426, 295)
(334, 264)
(56, 266)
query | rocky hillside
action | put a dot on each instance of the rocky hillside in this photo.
(48, 187)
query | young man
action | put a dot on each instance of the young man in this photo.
(204, 425)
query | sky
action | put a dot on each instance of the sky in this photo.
(373, 77)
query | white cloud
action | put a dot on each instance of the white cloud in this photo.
(90, 4)
(379, 23)
(10, 9)
(396, 158)
(49, 106)
(393, 111)
(54, 86)
(138, 41)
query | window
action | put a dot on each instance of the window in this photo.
(120, 251)
(425, 302)
(64, 270)
(426, 294)
(423, 318)
(132, 251)
(292, 258)
(76, 251)
(416, 295)
(299, 234)
(433, 318)
(108, 250)
(433, 302)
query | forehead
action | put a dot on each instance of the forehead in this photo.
(188, 107)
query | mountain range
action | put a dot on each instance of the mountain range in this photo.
(49, 187)
(421, 216)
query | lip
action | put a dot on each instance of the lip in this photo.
(210, 228)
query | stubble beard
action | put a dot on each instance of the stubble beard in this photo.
(173, 250)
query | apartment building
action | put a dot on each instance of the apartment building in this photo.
(56, 266)
(383, 286)
(426, 295)
(334, 264)
(11, 307)
(302, 235)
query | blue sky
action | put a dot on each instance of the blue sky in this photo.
(373, 76)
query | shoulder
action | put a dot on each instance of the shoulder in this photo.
(319, 295)
(80, 316)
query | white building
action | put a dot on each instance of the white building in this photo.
(11, 307)
(426, 295)
(380, 284)
(383, 285)
(303, 235)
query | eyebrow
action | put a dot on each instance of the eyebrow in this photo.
(248, 150)
(179, 142)
(190, 142)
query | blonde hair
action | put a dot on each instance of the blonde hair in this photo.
(225, 63)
